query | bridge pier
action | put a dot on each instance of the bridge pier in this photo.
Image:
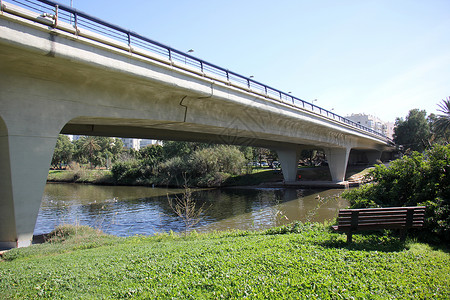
(337, 162)
(373, 156)
(23, 177)
(29, 129)
(289, 163)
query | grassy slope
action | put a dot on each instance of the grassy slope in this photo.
(284, 263)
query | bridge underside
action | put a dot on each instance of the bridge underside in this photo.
(51, 83)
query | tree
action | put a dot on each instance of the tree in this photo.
(261, 154)
(442, 123)
(98, 151)
(181, 149)
(63, 151)
(116, 148)
(109, 151)
(414, 132)
(86, 150)
(308, 154)
(152, 154)
(90, 146)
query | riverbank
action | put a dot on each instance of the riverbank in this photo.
(309, 177)
(96, 176)
(289, 262)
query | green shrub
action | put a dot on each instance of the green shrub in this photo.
(64, 232)
(171, 172)
(126, 171)
(231, 159)
(204, 166)
(417, 179)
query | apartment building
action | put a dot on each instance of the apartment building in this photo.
(386, 128)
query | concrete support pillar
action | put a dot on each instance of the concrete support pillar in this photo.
(289, 163)
(337, 162)
(7, 232)
(373, 156)
(27, 142)
(24, 163)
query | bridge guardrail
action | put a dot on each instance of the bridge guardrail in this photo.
(80, 20)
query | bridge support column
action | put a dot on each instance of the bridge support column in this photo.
(373, 156)
(337, 162)
(289, 163)
(24, 164)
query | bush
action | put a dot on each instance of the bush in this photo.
(205, 167)
(126, 171)
(64, 232)
(171, 172)
(212, 166)
(417, 179)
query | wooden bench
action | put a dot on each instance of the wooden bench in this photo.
(355, 220)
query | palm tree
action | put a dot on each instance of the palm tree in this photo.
(89, 146)
(442, 124)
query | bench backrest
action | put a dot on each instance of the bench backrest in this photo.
(381, 218)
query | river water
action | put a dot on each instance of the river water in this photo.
(125, 210)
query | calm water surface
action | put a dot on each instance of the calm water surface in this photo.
(125, 211)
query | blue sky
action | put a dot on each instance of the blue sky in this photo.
(376, 57)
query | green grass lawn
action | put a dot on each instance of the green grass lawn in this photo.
(291, 262)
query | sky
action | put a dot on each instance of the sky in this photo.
(378, 57)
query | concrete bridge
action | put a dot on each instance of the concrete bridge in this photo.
(62, 71)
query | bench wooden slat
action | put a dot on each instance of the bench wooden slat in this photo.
(390, 224)
(384, 217)
(381, 220)
(375, 227)
(392, 212)
(381, 217)
(381, 226)
(384, 209)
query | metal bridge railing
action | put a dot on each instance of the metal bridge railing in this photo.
(80, 20)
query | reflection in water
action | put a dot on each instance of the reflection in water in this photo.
(126, 211)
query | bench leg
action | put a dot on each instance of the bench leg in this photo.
(349, 237)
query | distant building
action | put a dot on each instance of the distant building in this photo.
(137, 144)
(130, 143)
(144, 143)
(390, 129)
(386, 128)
